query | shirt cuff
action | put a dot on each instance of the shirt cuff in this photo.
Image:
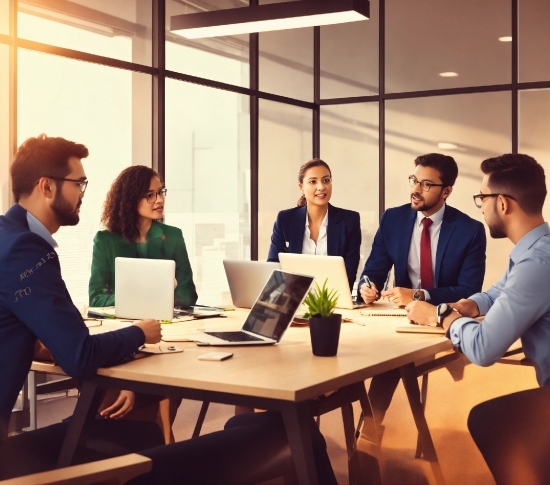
(482, 304)
(453, 334)
(427, 296)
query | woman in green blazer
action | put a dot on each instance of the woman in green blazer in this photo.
(131, 212)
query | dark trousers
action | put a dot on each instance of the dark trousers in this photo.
(381, 391)
(252, 448)
(513, 434)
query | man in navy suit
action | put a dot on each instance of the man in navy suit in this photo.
(437, 252)
(48, 183)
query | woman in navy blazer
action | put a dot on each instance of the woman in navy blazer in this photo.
(315, 226)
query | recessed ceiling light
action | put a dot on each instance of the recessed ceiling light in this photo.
(446, 146)
(506, 38)
(448, 74)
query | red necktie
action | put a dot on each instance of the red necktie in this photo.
(426, 274)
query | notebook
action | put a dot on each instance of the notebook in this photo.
(144, 288)
(270, 316)
(384, 312)
(414, 328)
(246, 279)
(323, 267)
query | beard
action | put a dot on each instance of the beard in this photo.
(423, 206)
(496, 229)
(65, 212)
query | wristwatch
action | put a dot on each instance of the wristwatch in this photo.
(442, 311)
(417, 295)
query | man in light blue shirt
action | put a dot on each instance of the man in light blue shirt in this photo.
(518, 305)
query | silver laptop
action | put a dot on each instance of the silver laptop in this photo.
(246, 279)
(270, 316)
(144, 288)
(322, 268)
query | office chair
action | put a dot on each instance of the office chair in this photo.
(112, 471)
(513, 434)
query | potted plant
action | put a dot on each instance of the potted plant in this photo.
(324, 324)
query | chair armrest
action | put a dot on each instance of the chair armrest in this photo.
(110, 471)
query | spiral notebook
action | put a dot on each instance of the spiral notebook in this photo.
(384, 312)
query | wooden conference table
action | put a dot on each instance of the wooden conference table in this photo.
(283, 377)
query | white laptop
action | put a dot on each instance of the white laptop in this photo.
(322, 268)
(270, 316)
(144, 288)
(246, 279)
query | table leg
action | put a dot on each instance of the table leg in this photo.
(85, 411)
(408, 374)
(368, 443)
(298, 423)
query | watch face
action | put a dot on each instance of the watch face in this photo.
(441, 309)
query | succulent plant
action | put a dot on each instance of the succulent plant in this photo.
(321, 301)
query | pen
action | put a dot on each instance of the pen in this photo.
(367, 280)
(99, 314)
(387, 283)
(207, 308)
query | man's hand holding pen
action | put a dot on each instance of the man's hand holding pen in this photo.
(368, 290)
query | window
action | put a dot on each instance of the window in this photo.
(208, 180)
(94, 105)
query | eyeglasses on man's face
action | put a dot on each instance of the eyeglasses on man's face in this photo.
(424, 185)
(81, 183)
(479, 198)
(151, 197)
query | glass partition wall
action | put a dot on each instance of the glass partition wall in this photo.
(228, 121)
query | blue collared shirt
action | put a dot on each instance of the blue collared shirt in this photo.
(517, 306)
(40, 229)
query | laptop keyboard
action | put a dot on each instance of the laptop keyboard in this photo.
(235, 336)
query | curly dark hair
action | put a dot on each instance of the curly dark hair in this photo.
(120, 215)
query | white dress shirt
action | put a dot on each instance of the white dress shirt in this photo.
(309, 246)
(413, 263)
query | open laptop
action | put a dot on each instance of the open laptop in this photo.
(246, 279)
(270, 316)
(322, 268)
(144, 288)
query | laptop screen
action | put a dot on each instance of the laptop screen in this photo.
(277, 304)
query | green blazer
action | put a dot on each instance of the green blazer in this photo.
(163, 242)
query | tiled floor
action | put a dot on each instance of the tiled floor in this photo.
(447, 410)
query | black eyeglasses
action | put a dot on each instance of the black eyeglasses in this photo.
(151, 197)
(424, 185)
(81, 183)
(478, 198)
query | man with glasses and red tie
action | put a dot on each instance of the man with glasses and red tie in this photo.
(436, 251)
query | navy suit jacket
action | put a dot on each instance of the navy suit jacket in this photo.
(460, 257)
(343, 236)
(35, 303)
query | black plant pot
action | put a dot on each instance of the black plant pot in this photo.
(325, 333)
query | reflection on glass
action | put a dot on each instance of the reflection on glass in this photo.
(93, 105)
(349, 58)
(286, 63)
(223, 59)
(208, 175)
(534, 126)
(4, 129)
(121, 30)
(278, 302)
(479, 126)
(285, 143)
(425, 38)
(534, 40)
(349, 144)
